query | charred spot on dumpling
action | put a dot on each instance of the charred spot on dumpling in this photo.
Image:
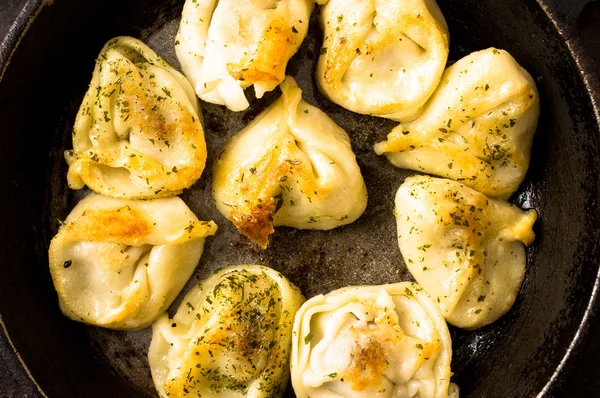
(254, 216)
(257, 223)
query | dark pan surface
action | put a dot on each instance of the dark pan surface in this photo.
(40, 92)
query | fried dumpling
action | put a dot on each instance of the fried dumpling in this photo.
(466, 250)
(244, 43)
(138, 133)
(372, 341)
(382, 58)
(120, 263)
(291, 166)
(477, 128)
(230, 337)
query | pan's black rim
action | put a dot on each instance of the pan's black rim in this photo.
(8, 353)
(18, 30)
(586, 69)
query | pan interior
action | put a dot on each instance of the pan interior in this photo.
(515, 356)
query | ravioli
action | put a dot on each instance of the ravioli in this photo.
(138, 133)
(230, 337)
(477, 128)
(291, 166)
(372, 341)
(227, 46)
(466, 250)
(120, 263)
(382, 58)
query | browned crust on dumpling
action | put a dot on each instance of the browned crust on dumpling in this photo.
(264, 187)
(342, 47)
(368, 364)
(245, 330)
(258, 224)
(121, 225)
(127, 226)
(268, 62)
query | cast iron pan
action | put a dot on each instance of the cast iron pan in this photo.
(47, 63)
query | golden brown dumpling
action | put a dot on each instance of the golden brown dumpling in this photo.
(227, 46)
(230, 337)
(382, 58)
(466, 250)
(120, 263)
(477, 127)
(291, 166)
(138, 133)
(387, 341)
